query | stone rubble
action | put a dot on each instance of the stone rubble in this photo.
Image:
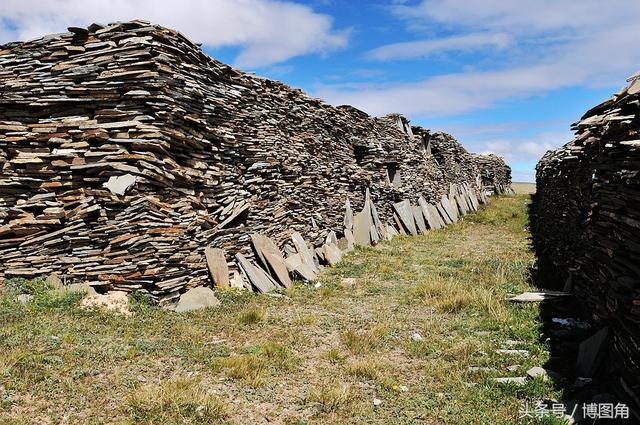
(131, 160)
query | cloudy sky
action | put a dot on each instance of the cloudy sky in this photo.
(502, 76)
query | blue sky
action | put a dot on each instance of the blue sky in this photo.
(502, 76)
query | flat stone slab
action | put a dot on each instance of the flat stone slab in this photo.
(362, 223)
(405, 212)
(271, 258)
(119, 185)
(303, 249)
(258, 277)
(418, 216)
(217, 265)
(523, 353)
(449, 209)
(538, 296)
(196, 299)
(518, 380)
(444, 216)
(348, 216)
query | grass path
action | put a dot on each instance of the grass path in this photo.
(399, 324)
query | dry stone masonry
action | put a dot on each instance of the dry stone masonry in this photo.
(586, 232)
(130, 160)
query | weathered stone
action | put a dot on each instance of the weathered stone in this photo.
(217, 265)
(404, 210)
(421, 226)
(348, 216)
(119, 185)
(362, 223)
(196, 299)
(256, 276)
(148, 152)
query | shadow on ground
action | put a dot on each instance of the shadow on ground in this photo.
(564, 328)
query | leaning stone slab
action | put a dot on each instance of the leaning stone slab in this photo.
(421, 225)
(279, 268)
(258, 277)
(399, 225)
(217, 265)
(449, 208)
(295, 265)
(373, 234)
(362, 223)
(405, 213)
(444, 216)
(433, 216)
(305, 272)
(350, 239)
(196, 299)
(303, 249)
(332, 254)
(348, 216)
(392, 231)
(271, 258)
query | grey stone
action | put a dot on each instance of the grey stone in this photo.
(348, 216)
(196, 299)
(271, 258)
(303, 249)
(405, 213)
(54, 281)
(536, 371)
(419, 218)
(80, 287)
(119, 185)
(519, 380)
(257, 277)
(25, 298)
(332, 254)
(217, 265)
(591, 352)
(362, 223)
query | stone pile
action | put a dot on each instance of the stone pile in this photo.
(495, 174)
(131, 160)
(587, 225)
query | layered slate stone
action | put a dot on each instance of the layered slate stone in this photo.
(271, 258)
(217, 265)
(256, 276)
(126, 151)
(405, 213)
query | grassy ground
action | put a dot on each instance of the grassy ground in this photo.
(311, 356)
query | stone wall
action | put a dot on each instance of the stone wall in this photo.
(586, 228)
(125, 151)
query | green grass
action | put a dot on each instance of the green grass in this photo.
(314, 356)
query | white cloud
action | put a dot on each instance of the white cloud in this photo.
(554, 45)
(267, 31)
(530, 17)
(425, 48)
